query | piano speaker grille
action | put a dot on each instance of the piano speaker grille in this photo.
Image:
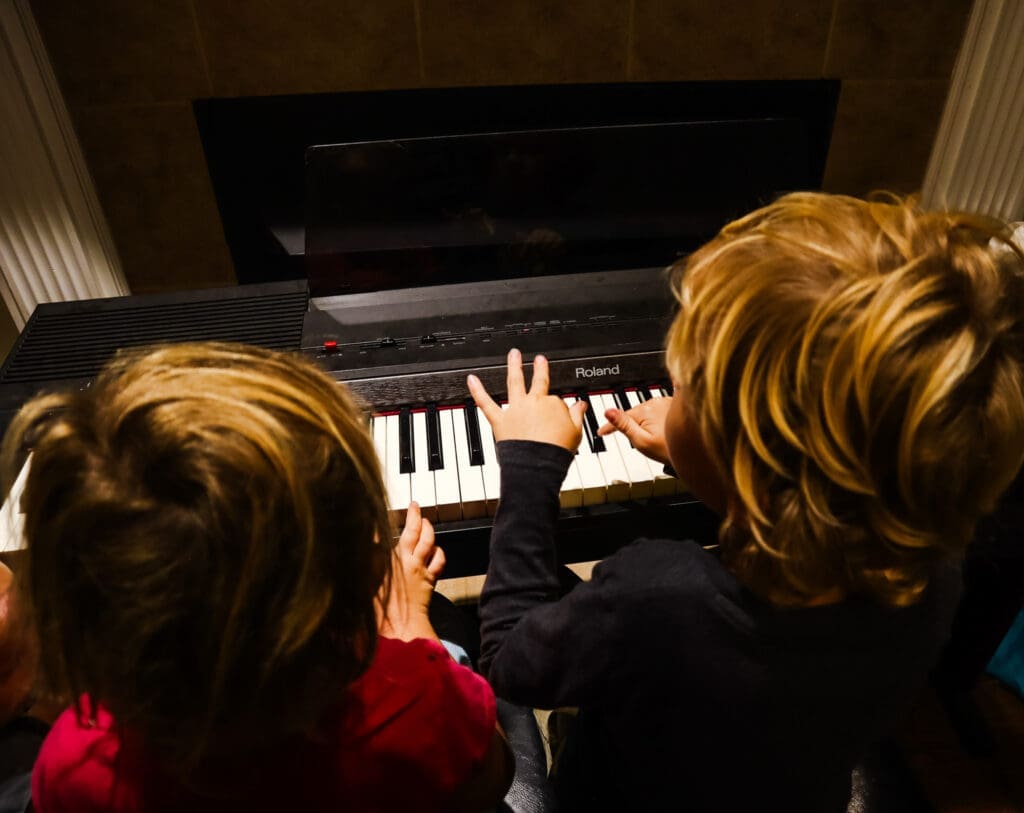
(64, 342)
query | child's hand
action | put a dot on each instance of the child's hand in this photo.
(532, 415)
(644, 425)
(418, 563)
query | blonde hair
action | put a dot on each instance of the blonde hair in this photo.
(854, 369)
(203, 559)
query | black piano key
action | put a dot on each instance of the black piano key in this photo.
(434, 439)
(476, 448)
(406, 463)
(590, 425)
(622, 401)
(644, 393)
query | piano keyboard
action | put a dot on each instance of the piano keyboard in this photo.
(444, 458)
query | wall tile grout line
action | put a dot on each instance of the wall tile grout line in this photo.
(828, 40)
(201, 46)
(630, 34)
(419, 39)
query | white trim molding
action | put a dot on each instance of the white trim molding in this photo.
(54, 241)
(977, 162)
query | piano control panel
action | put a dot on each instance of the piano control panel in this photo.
(416, 346)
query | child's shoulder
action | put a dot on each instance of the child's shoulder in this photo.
(421, 670)
(676, 567)
(415, 707)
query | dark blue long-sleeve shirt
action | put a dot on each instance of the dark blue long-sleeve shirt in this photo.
(693, 693)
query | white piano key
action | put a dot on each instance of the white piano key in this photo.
(471, 479)
(397, 484)
(570, 494)
(679, 485)
(641, 481)
(663, 484)
(421, 481)
(615, 475)
(491, 471)
(595, 490)
(379, 432)
(446, 478)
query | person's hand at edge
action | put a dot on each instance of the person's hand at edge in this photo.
(644, 425)
(531, 415)
(418, 565)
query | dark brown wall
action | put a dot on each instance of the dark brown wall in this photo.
(129, 69)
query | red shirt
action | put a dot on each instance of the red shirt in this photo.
(410, 731)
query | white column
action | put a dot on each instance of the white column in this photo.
(54, 240)
(977, 162)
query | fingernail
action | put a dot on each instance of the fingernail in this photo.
(514, 353)
(472, 379)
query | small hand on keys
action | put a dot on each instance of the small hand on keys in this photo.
(418, 563)
(644, 425)
(534, 414)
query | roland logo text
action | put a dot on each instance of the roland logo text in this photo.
(590, 372)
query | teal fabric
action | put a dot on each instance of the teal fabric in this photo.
(1008, 662)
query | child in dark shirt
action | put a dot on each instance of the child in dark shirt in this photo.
(848, 396)
(211, 566)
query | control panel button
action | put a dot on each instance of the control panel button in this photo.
(330, 346)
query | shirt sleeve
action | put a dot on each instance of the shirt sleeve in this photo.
(537, 649)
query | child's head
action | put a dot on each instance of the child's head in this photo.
(202, 529)
(854, 372)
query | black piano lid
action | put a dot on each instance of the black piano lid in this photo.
(255, 145)
(403, 213)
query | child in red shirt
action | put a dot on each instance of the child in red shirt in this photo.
(211, 568)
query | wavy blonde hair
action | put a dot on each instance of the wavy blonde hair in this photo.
(202, 529)
(854, 369)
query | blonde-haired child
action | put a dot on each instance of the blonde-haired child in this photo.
(849, 396)
(210, 556)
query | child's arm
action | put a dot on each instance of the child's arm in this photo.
(536, 649)
(417, 566)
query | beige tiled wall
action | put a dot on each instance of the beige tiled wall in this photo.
(130, 68)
